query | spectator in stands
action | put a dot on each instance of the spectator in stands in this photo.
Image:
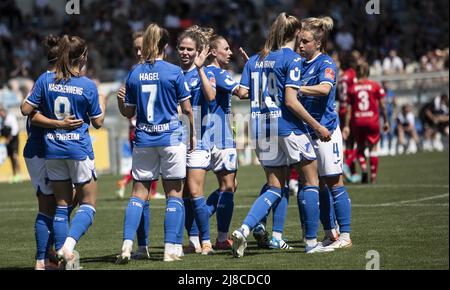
(392, 63)
(435, 119)
(406, 128)
(10, 130)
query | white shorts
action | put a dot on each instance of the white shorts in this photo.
(198, 159)
(281, 151)
(223, 159)
(38, 174)
(76, 171)
(168, 161)
(329, 155)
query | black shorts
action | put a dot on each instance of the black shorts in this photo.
(13, 146)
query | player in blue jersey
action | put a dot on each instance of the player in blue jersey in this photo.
(193, 51)
(318, 96)
(223, 152)
(271, 79)
(34, 152)
(69, 155)
(154, 88)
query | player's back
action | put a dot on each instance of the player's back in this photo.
(346, 81)
(364, 97)
(156, 89)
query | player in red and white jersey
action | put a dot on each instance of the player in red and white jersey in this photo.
(346, 80)
(364, 99)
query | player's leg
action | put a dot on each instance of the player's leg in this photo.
(173, 170)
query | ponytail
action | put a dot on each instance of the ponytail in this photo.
(154, 42)
(320, 29)
(71, 50)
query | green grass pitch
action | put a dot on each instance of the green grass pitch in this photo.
(405, 218)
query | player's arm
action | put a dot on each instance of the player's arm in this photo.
(186, 109)
(69, 123)
(26, 108)
(126, 111)
(297, 108)
(346, 129)
(208, 90)
(97, 121)
(242, 93)
(385, 115)
(320, 90)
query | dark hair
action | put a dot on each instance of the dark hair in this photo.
(71, 50)
(51, 44)
(363, 70)
(283, 30)
(138, 34)
(155, 40)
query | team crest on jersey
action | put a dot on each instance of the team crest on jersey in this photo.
(229, 81)
(329, 74)
(194, 82)
(311, 71)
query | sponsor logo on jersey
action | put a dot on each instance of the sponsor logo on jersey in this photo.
(329, 74)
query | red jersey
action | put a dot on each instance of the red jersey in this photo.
(364, 97)
(346, 81)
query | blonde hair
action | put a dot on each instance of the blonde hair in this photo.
(71, 50)
(283, 30)
(320, 28)
(155, 39)
(200, 35)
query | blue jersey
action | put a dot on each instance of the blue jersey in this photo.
(266, 81)
(220, 110)
(200, 106)
(156, 89)
(78, 97)
(321, 70)
(35, 146)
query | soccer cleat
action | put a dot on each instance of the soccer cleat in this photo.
(141, 254)
(261, 236)
(40, 266)
(207, 249)
(293, 187)
(239, 244)
(364, 178)
(191, 249)
(347, 172)
(171, 257)
(125, 256)
(327, 240)
(69, 261)
(279, 244)
(340, 244)
(225, 245)
(317, 248)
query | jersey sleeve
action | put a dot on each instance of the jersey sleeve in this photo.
(182, 88)
(37, 93)
(226, 83)
(211, 77)
(246, 77)
(94, 111)
(294, 73)
(130, 92)
(381, 93)
(328, 73)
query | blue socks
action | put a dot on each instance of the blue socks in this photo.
(342, 208)
(262, 206)
(143, 229)
(42, 228)
(82, 221)
(212, 201)
(173, 220)
(280, 210)
(133, 215)
(225, 208)
(60, 226)
(201, 215)
(189, 222)
(327, 216)
(308, 200)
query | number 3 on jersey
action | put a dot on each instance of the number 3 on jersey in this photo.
(152, 90)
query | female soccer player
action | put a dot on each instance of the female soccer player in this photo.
(365, 96)
(154, 88)
(193, 51)
(223, 152)
(69, 155)
(318, 96)
(272, 80)
(34, 152)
